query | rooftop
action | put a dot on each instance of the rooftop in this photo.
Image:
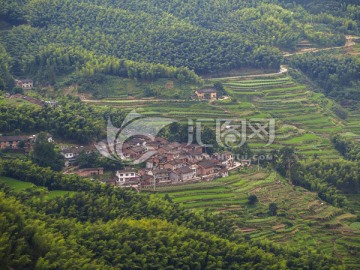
(206, 90)
(206, 164)
(13, 138)
(185, 169)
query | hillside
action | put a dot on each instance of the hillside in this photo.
(123, 38)
(111, 228)
(290, 203)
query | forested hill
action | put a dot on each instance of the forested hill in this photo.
(203, 36)
(101, 227)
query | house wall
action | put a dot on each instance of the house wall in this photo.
(124, 176)
(206, 171)
(174, 177)
(11, 145)
(187, 176)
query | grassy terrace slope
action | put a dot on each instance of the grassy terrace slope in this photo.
(19, 186)
(302, 218)
(304, 118)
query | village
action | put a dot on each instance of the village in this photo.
(172, 164)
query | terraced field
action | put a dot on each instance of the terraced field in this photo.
(302, 218)
(18, 185)
(304, 119)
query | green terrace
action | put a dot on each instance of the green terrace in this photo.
(21, 186)
(303, 219)
(290, 103)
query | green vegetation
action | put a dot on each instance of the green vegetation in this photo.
(79, 229)
(301, 219)
(16, 184)
(297, 209)
(71, 120)
(337, 75)
(45, 154)
(51, 39)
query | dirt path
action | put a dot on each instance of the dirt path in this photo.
(349, 43)
(283, 69)
(129, 100)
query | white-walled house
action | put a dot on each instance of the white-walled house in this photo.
(127, 177)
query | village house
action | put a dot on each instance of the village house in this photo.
(195, 156)
(194, 148)
(161, 175)
(49, 138)
(173, 154)
(155, 161)
(173, 165)
(245, 162)
(164, 149)
(146, 180)
(72, 153)
(174, 145)
(25, 84)
(206, 167)
(182, 174)
(127, 177)
(14, 142)
(207, 93)
(226, 157)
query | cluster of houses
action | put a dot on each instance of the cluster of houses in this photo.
(19, 142)
(173, 163)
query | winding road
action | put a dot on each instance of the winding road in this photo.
(283, 68)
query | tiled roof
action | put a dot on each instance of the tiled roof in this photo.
(183, 170)
(13, 138)
(206, 164)
(206, 90)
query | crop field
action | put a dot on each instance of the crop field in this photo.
(303, 219)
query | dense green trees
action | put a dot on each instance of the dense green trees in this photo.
(55, 60)
(151, 39)
(71, 120)
(94, 160)
(130, 35)
(44, 153)
(273, 208)
(252, 199)
(6, 80)
(327, 178)
(100, 227)
(337, 75)
(347, 147)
